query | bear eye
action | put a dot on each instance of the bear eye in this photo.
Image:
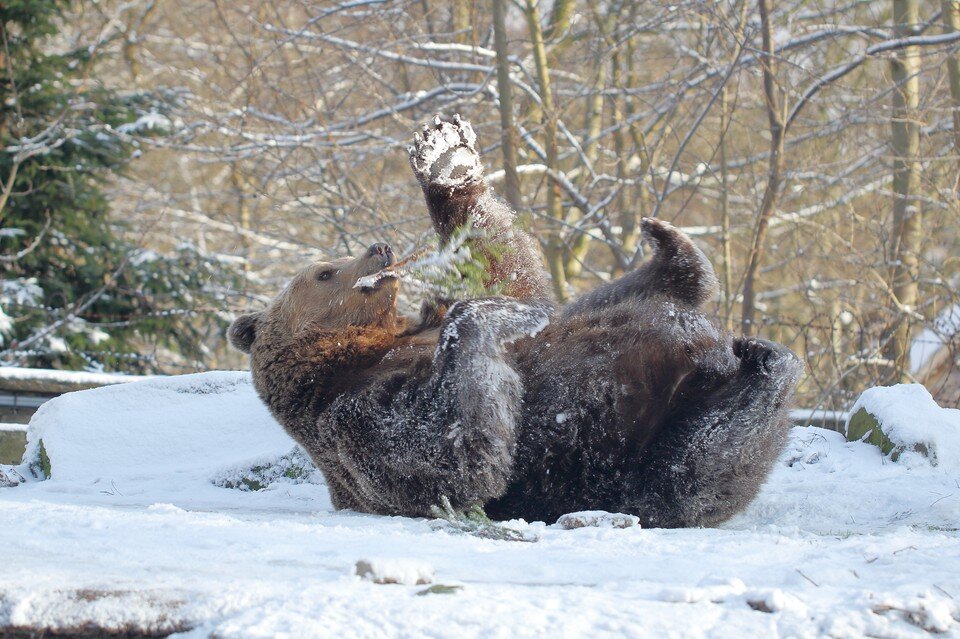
(324, 275)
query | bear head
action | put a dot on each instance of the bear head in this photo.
(325, 297)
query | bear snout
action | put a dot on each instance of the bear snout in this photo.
(384, 252)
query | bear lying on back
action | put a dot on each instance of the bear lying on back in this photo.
(628, 400)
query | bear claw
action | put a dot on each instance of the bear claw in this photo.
(444, 153)
(752, 353)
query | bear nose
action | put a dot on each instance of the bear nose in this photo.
(384, 251)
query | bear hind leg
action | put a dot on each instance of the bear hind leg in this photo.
(711, 459)
(678, 271)
(473, 398)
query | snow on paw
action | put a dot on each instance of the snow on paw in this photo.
(767, 358)
(497, 320)
(444, 153)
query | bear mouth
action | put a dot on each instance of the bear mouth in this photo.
(379, 258)
(373, 282)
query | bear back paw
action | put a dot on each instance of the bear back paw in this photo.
(768, 359)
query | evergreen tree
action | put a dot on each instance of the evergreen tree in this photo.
(76, 290)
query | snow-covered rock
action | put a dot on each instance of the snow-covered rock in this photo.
(597, 519)
(168, 436)
(905, 422)
(405, 572)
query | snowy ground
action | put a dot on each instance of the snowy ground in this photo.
(132, 533)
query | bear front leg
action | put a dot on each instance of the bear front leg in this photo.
(711, 459)
(678, 270)
(454, 434)
(446, 162)
(475, 395)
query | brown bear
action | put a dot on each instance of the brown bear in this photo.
(627, 400)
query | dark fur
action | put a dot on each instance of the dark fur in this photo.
(629, 401)
(681, 272)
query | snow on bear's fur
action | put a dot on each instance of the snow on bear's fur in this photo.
(627, 400)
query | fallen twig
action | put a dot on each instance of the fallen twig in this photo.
(474, 521)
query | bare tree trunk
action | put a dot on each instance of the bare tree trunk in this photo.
(508, 131)
(560, 17)
(905, 139)
(133, 39)
(594, 121)
(729, 294)
(950, 9)
(240, 185)
(775, 119)
(631, 212)
(461, 20)
(555, 246)
(727, 279)
(428, 16)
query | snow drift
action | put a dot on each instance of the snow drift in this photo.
(179, 505)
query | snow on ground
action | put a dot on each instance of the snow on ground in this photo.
(132, 532)
(66, 377)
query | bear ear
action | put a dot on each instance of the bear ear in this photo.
(243, 332)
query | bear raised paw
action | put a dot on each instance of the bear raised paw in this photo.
(445, 154)
(444, 159)
(628, 400)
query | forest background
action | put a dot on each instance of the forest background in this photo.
(166, 164)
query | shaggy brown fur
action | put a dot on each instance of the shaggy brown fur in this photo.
(629, 401)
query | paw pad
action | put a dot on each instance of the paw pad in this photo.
(444, 153)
